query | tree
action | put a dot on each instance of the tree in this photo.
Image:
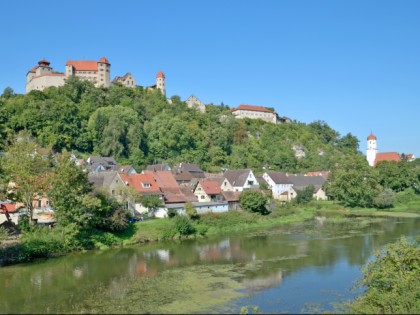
(353, 182)
(391, 281)
(151, 202)
(71, 194)
(397, 176)
(305, 195)
(26, 167)
(8, 92)
(253, 201)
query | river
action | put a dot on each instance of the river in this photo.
(299, 268)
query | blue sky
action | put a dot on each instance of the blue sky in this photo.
(353, 64)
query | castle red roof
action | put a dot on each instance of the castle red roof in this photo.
(104, 60)
(252, 108)
(387, 156)
(160, 75)
(83, 65)
(371, 137)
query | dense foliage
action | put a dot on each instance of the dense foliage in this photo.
(355, 183)
(139, 126)
(392, 281)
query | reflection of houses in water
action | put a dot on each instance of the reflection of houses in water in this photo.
(262, 283)
(143, 270)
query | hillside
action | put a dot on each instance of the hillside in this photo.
(139, 127)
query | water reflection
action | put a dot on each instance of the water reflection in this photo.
(259, 262)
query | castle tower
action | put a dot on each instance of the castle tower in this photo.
(104, 69)
(371, 149)
(160, 82)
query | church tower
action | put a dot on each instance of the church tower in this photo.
(160, 82)
(371, 149)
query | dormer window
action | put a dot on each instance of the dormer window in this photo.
(146, 185)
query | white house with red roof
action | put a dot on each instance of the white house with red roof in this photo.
(373, 156)
(254, 112)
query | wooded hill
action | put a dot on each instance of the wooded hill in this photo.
(139, 127)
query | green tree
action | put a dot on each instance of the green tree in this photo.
(353, 182)
(397, 176)
(26, 166)
(305, 195)
(391, 281)
(71, 194)
(151, 202)
(253, 201)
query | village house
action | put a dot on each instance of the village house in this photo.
(241, 179)
(280, 185)
(300, 182)
(223, 182)
(207, 191)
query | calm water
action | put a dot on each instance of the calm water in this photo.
(301, 268)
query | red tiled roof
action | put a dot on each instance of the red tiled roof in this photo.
(252, 108)
(210, 187)
(138, 181)
(164, 179)
(104, 60)
(371, 137)
(387, 156)
(83, 65)
(160, 75)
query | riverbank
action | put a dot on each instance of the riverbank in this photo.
(47, 243)
(239, 221)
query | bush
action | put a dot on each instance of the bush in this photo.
(305, 195)
(384, 199)
(183, 226)
(253, 201)
(191, 211)
(172, 213)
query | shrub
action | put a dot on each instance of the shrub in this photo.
(183, 226)
(253, 201)
(305, 195)
(384, 199)
(172, 213)
(191, 211)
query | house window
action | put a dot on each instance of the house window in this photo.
(202, 197)
(250, 182)
(39, 203)
(48, 202)
(146, 185)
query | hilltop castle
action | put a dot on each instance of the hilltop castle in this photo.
(98, 72)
